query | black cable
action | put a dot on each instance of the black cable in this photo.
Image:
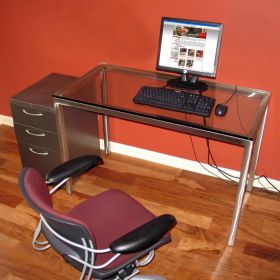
(244, 130)
(263, 186)
(196, 158)
(222, 172)
(237, 110)
(263, 176)
(232, 95)
(210, 155)
(235, 177)
(214, 165)
(194, 151)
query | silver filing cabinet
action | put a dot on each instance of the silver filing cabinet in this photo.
(35, 124)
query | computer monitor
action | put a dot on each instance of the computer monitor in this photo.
(190, 48)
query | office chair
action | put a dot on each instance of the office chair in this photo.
(107, 236)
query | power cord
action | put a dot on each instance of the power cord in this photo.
(214, 165)
(232, 95)
(200, 163)
(228, 176)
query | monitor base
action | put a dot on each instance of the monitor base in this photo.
(188, 84)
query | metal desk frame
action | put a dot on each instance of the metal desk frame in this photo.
(251, 146)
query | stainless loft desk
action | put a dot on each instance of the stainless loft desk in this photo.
(108, 90)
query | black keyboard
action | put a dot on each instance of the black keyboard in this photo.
(175, 100)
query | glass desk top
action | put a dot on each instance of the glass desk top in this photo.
(109, 90)
(111, 86)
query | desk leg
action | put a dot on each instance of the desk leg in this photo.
(107, 147)
(240, 192)
(256, 151)
(60, 123)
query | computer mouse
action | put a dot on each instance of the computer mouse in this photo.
(221, 110)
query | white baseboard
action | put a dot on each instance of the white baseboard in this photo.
(168, 160)
(6, 120)
(181, 163)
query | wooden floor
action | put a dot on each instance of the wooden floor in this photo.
(202, 205)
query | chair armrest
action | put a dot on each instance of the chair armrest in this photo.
(144, 236)
(72, 168)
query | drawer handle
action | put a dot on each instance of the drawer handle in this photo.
(32, 114)
(38, 153)
(35, 134)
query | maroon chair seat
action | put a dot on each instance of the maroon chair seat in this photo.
(116, 210)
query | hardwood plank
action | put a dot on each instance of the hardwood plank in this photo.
(203, 206)
(263, 252)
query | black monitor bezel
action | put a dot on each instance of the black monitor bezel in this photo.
(183, 71)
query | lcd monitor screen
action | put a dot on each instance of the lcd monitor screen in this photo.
(188, 46)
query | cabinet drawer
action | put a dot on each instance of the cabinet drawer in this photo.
(34, 117)
(37, 137)
(40, 158)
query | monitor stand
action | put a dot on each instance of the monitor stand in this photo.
(188, 82)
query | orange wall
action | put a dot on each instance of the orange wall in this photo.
(42, 36)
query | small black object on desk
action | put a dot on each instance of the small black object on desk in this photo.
(221, 110)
